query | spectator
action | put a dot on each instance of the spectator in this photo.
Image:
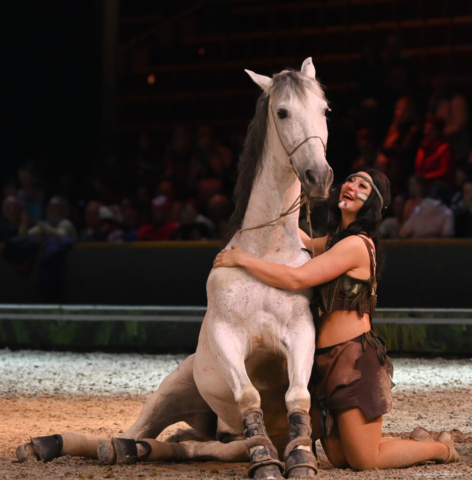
(401, 141)
(177, 161)
(57, 224)
(93, 230)
(143, 169)
(14, 221)
(211, 158)
(30, 196)
(161, 227)
(219, 210)
(452, 106)
(416, 193)
(369, 155)
(464, 215)
(434, 157)
(191, 227)
(167, 189)
(112, 220)
(432, 218)
(463, 173)
(390, 227)
(206, 189)
(132, 219)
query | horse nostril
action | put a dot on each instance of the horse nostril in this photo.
(310, 177)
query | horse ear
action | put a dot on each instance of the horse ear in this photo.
(308, 68)
(264, 82)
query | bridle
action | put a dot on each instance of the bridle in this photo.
(303, 198)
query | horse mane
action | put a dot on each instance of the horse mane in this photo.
(287, 82)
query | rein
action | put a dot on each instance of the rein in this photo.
(302, 199)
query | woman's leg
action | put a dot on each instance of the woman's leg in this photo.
(364, 450)
(334, 449)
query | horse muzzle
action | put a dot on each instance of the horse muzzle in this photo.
(317, 182)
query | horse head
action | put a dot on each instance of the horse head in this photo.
(297, 108)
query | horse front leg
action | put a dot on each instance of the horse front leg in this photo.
(298, 455)
(220, 364)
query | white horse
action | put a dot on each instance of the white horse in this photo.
(256, 342)
(247, 322)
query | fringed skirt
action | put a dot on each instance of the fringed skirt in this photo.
(352, 374)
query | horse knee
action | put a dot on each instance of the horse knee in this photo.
(298, 397)
(248, 399)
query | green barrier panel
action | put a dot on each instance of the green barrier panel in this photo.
(183, 336)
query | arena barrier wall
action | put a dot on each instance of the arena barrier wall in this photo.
(423, 281)
(419, 274)
(172, 328)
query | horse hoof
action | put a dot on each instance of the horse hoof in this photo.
(300, 463)
(126, 451)
(106, 452)
(23, 452)
(267, 472)
(143, 449)
(301, 472)
(48, 448)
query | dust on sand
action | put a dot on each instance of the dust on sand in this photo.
(44, 393)
(109, 416)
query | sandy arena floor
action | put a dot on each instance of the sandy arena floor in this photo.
(43, 393)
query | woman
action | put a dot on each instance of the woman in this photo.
(351, 384)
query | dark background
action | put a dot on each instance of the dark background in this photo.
(53, 71)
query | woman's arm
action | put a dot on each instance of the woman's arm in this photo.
(346, 255)
(318, 243)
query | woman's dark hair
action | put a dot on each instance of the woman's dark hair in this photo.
(368, 217)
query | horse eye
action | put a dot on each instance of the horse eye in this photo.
(282, 113)
(327, 112)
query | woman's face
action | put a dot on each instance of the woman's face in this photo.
(354, 193)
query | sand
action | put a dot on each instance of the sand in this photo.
(43, 393)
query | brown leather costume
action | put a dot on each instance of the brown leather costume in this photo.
(356, 373)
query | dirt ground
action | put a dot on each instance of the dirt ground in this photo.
(21, 417)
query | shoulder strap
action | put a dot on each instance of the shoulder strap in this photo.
(370, 249)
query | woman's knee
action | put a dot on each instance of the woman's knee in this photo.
(335, 455)
(361, 461)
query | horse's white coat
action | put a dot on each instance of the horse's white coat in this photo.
(247, 322)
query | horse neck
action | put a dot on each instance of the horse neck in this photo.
(274, 191)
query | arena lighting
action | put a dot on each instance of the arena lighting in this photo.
(151, 79)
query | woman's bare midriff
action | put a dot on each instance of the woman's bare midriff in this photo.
(341, 326)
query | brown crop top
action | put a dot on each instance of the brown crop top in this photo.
(348, 293)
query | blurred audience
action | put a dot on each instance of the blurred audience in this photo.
(14, 221)
(432, 218)
(57, 224)
(451, 105)
(31, 197)
(192, 227)
(401, 142)
(464, 214)
(369, 154)
(390, 227)
(180, 187)
(92, 232)
(417, 188)
(434, 157)
(161, 226)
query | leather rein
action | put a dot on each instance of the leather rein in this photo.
(302, 199)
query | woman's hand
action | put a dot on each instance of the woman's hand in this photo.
(229, 258)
